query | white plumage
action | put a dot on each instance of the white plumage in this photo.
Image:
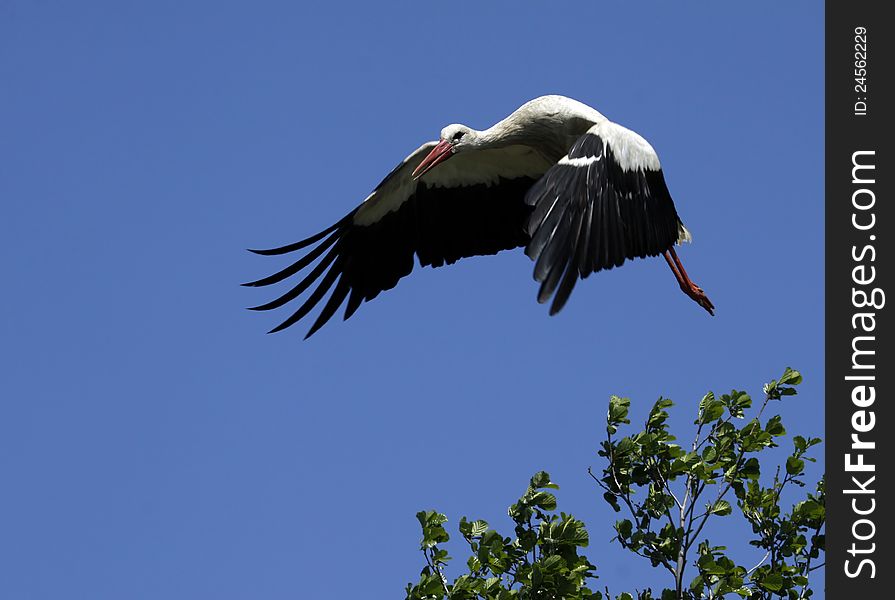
(579, 192)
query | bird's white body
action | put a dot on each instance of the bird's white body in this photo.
(549, 124)
(580, 192)
(526, 143)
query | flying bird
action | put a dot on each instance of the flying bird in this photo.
(577, 191)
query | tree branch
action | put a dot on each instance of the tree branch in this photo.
(437, 571)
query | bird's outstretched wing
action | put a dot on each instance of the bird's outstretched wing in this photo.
(602, 203)
(470, 205)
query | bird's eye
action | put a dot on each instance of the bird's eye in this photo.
(458, 135)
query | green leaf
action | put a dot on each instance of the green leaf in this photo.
(658, 415)
(612, 500)
(710, 409)
(441, 557)
(809, 509)
(791, 377)
(624, 528)
(543, 500)
(433, 532)
(618, 412)
(472, 529)
(721, 508)
(474, 563)
(696, 586)
(552, 563)
(742, 399)
(775, 426)
(795, 466)
(751, 468)
(541, 479)
(773, 582)
(428, 518)
(624, 446)
(569, 531)
(713, 568)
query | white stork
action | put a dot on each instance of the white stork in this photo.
(578, 191)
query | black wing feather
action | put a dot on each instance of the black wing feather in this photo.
(297, 245)
(304, 284)
(297, 265)
(439, 225)
(590, 214)
(332, 305)
(313, 299)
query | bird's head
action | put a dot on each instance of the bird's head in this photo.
(454, 138)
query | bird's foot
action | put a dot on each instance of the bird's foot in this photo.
(695, 292)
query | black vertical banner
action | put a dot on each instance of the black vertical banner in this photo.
(860, 364)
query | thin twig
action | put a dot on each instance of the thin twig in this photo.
(752, 570)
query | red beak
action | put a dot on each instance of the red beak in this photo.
(440, 153)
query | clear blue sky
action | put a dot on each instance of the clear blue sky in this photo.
(155, 443)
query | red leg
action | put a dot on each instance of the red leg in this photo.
(687, 285)
(674, 270)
